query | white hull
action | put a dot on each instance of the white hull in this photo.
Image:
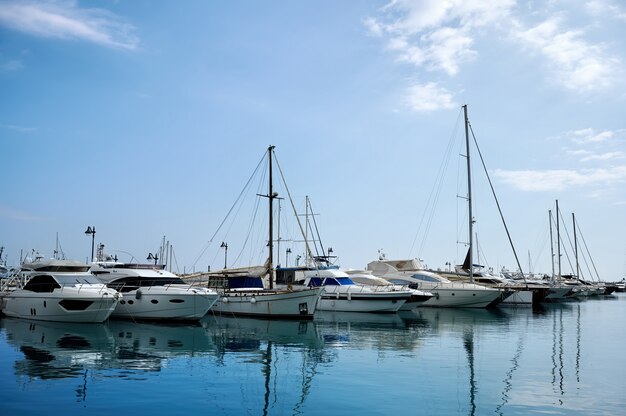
(165, 303)
(61, 306)
(461, 298)
(519, 298)
(267, 303)
(352, 301)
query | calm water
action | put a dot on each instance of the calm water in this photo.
(565, 359)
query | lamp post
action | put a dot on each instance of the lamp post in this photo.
(92, 231)
(225, 247)
(154, 257)
(287, 253)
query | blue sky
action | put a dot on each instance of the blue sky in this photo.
(145, 119)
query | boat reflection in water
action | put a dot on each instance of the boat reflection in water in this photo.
(60, 349)
(370, 330)
(55, 350)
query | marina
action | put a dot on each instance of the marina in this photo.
(503, 361)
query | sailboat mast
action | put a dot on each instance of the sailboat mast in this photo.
(558, 239)
(575, 246)
(551, 245)
(270, 242)
(469, 196)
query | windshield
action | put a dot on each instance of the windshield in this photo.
(73, 279)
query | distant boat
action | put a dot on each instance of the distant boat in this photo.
(365, 277)
(152, 293)
(59, 290)
(341, 294)
(446, 293)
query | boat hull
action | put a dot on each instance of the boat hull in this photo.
(461, 298)
(519, 298)
(165, 303)
(63, 306)
(267, 303)
(414, 302)
(347, 301)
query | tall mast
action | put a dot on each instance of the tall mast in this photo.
(469, 196)
(551, 245)
(575, 246)
(270, 242)
(558, 239)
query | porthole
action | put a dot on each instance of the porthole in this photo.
(154, 301)
(130, 302)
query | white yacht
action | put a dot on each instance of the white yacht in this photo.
(341, 294)
(58, 290)
(153, 293)
(446, 293)
(365, 277)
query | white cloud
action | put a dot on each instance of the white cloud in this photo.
(436, 35)
(602, 8)
(20, 129)
(12, 65)
(589, 135)
(587, 156)
(575, 63)
(65, 20)
(429, 97)
(558, 180)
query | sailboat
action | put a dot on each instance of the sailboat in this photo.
(243, 293)
(446, 292)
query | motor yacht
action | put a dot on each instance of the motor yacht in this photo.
(341, 294)
(365, 277)
(446, 293)
(58, 290)
(153, 293)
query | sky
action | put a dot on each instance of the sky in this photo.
(146, 120)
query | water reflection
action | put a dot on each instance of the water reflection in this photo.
(513, 361)
(61, 350)
(54, 350)
(268, 343)
(370, 330)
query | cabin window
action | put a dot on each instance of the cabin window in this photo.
(75, 305)
(315, 282)
(42, 284)
(425, 278)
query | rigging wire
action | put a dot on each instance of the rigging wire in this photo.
(229, 212)
(317, 231)
(587, 248)
(435, 192)
(306, 243)
(569, 261)
(497, 203)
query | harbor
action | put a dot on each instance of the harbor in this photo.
(312, 208)
(512, 361)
